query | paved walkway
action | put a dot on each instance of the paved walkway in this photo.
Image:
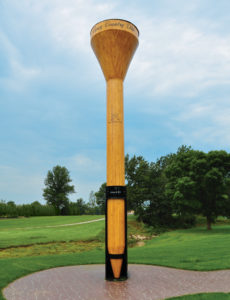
(87, 283)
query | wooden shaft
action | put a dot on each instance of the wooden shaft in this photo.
(115, 133)
(115, 171)
(114, 42)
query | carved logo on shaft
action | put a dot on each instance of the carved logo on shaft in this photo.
(115, 118)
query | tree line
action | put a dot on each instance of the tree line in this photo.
(170, 192)
(58, 187)
(12, 210)
(56, 191)
(176, 188)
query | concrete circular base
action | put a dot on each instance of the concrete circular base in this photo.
(87, 283)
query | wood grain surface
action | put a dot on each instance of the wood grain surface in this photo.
(114, 43)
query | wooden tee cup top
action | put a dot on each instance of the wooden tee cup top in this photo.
(114, 43)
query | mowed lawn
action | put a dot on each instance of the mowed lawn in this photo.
(194, 249)
(28, 231)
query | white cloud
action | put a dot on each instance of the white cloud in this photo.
(195, 111)
(206, 123)
(20, 75)
(69, 22)
(85, 164)
(88, 173)
(177, 58)
(174, 55)
(180, 58)
(84, 188)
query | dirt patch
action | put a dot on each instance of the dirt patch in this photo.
(140, 244)
(138, 233)
(139, 237)
(50, 248)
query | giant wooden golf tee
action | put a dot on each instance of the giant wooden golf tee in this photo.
(114, 43)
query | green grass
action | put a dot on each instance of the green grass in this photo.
(95, 240)
(205, 296)
(44, 221)
(13, 268)
(28, 231)
(194, 249)
(51, 248)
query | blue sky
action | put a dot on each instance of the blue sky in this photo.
(52, 91)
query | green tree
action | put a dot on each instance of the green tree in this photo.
(159, 210)
(3, 208)
(11, 203)
(181, 187)
(101, 197)
(36, 208)
(77, 208)
(92, 200)
(137, 174)
(58, 188)
(11, 209)
(215, 186)
(81, 206)
(199, 183)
